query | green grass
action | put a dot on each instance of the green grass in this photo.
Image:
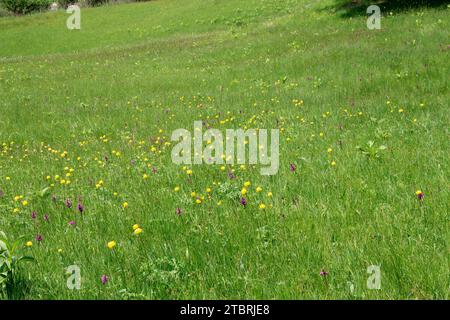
(136, 72)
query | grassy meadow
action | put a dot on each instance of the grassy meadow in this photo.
(86, 118)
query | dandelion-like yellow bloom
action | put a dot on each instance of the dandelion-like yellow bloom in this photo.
(125, 205)
(262, 206)
(111, 245)
(138, 231)
(258, 189)
(333, 163)
(247, 184)
(24, 203)
(136, 226)
(29, 244)
(176, 189)
(244, 191)
(189, 172)
(269, 194)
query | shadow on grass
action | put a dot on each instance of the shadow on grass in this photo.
(352, 8)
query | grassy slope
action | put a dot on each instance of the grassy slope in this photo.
(135, 69)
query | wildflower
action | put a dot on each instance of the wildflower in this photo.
(39, 238)
(247, 184)
(145, 176)
(137, 231)
(125, 205)
(198, 201)
(189, 172)
(80, 207)
(178, 211)
(24, 203)
(16, 210)
(111, 245)
(329, 150)
(244, 191)
(29, 244)
(68, 203)
(262, 206)
(323, 273)
(46, 217)
(258, 189)
(8, 178)
(243, 201)
(60, 250)
(104, 279)
(333, 163)
(135, 226)
(269, 194)
(176, 189)
(420, 194)
(33, 215)
(292, 167)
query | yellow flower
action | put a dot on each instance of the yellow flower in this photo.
(258, 189)
(111, 244)
(247, 184)
(330, 150)
(176, 189)
(24, 203)
(29, 244)
(269, 194)
(125, 205)
(193, 194)
(189, 172)
(219, 203)
(137, 231)
(198, 201)
(60, 250)
(222, 168)
(16, 210)
(244, 191)
(333, 163)
(418, 192)
(16, 198)
(8, 178)
(208, 190)
(262, 206)
(136, 226)
(145, 176)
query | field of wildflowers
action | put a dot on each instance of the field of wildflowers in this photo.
(87, 179)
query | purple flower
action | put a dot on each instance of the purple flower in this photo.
(243, 201)
(72, 223)
(80, 207)
(179, 212)
(39, 238)
(46, 217)
(323, 273)
(68, 203)
(231, 175)
(104, 279)
(292, 167)
(33, 215)
(154, 170)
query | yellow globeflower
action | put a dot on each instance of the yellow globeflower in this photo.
(111, 244)
(137, 231)
(29, 244)
(244, 191)
(136, 226)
